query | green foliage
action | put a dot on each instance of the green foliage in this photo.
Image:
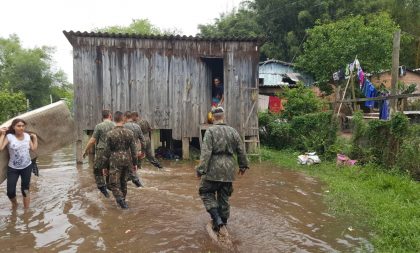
(11, 104)
(239, 23)
(27, 70)
(390, 144)
(300, 101)
(414, 105)
(138, 26)
(314, 132)
(285, 24)
(333, 45)
(302, 125)
(310, 132)
(408, 158)
(387, 202)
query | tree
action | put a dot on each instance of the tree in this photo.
(239, 23)
(27, 70)
(330, 46)
(138, 26)
(284, 23)
(11, 104)
(300, 101)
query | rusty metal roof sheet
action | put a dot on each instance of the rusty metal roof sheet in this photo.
(161, 37)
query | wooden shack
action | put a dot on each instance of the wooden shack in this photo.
(167, 79)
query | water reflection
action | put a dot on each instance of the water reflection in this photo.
(273, 210)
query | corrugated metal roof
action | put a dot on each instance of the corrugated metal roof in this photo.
(276, 61)
(161, 37)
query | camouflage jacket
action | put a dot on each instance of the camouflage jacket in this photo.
(219, 145)
(145, 127)
(100, 132)
(120, 148)
(138, 134)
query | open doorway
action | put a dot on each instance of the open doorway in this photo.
(215, 79)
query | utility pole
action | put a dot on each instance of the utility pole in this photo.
(394, 71)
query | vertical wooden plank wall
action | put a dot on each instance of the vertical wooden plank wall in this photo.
(166, 81)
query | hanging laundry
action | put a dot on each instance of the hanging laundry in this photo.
(351, 67)
(361, 76)
(274, 104)
(357, 64)
(335, 76)
(347, 72)
(384, 110)
(339, 75)
(370, 93)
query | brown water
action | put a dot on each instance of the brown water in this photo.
(273, 210)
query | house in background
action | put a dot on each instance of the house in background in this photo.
(274, 75)
(406, 76)
(167, 79)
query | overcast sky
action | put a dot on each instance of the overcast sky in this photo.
(41, 22)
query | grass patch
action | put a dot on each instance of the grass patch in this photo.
(386, 201)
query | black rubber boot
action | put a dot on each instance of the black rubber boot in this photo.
(137, 182)
(156, 164)
(224, 221)
(121, 202)
(104, 191)
(217, 221)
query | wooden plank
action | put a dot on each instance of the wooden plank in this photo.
(185, 148)
(376, 98)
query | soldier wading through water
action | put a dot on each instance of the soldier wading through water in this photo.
(140, 145)
(121, 154)
(99, 138)
(217, 169)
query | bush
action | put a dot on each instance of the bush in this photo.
(393, 143)
(311, 132)
(11, 104)
(314, 132)
(300, 101)
(408, 158)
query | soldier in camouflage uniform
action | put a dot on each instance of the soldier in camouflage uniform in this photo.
(146, 129)
(217, 168)
(140, 144)
(120, 152)
(99, 138)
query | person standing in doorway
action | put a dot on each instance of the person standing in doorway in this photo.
(217, 92)
(146, 129)
(18, 143)
(140, 145)
(121, 154)
(217, 169)
(99, 138)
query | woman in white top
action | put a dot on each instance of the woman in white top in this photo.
(18, 143)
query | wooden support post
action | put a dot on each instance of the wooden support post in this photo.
(154, 140)
(353, 93)
(394, 71)
(79, 150)
(91, 152)
(185, 148)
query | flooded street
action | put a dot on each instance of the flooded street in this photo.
(273, 210)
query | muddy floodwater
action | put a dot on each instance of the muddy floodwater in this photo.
(273, 210)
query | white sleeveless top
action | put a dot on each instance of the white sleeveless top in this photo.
(19, 151)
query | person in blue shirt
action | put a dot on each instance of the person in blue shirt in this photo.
(217, 92)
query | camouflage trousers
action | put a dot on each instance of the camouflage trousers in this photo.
(131, 175)
(118, 181)
(216, 195)
(97, 171)
(149, 155)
